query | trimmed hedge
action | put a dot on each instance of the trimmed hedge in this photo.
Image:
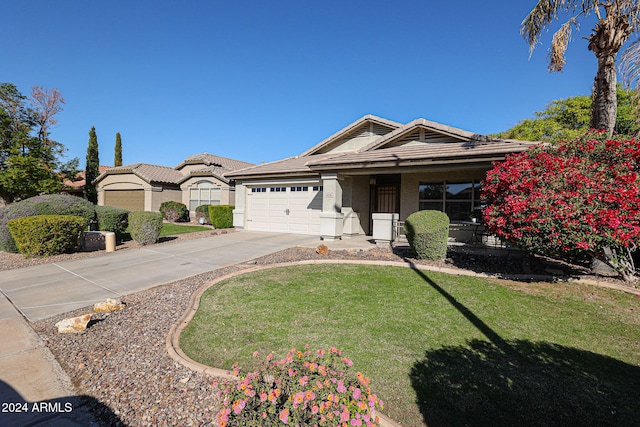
(113, 219)
(427, 233)
(221, 216)
(46, 235)
(50, 204)
(202, 211)
(145, 227)
(174, 211)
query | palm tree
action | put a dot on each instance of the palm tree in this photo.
(616, 21)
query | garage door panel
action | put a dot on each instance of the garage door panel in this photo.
(132, 200)
(285, 211)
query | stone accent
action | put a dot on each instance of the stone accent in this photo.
(108, 306)
(73, 325)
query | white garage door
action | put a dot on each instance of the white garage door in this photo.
(290, 209)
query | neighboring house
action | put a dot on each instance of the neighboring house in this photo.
(76, 187)
(372, 166)
(198, 180)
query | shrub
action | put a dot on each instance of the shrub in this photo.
(46, 235)
(303, 389)
(50, 204)
(573, 197)
(174, 211)
(145, 226)
(202, 211)
(221, 216)
(427, 233)
(113, 219)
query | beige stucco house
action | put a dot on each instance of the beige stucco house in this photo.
(198, 180)
(371, 168)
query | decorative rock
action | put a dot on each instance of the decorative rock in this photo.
(73, 325)
(322, 250)
(108, 306)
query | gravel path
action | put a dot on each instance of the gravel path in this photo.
(121, 360)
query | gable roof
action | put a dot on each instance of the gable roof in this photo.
(378, 126)
(429, 132)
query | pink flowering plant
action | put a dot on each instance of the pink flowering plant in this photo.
(304, 389)
(579, 196)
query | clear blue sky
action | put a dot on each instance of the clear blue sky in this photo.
(263, 80)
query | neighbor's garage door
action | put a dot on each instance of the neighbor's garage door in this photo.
(291, 209)
(132, 200)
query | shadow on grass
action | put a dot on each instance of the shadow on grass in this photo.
(535, 384)
(518, 382)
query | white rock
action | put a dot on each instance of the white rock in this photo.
(108, 306)
(73, 325)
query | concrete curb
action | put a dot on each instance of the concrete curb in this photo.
(173, 337)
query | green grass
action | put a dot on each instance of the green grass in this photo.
(170, 229)
(440, 349)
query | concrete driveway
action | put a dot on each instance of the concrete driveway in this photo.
(46, 290)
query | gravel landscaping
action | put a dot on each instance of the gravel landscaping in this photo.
(121, 360)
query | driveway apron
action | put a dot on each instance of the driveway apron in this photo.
(43, 291)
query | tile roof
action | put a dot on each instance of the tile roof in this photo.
(213, 160)
(150, 173)
(422, 154)
(297, 165)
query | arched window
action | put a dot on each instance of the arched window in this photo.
(203, 193)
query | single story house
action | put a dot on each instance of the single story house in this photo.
(373, 166)
(198, 180)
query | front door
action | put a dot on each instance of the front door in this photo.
(384, 195)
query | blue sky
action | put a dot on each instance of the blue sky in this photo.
(260, 81)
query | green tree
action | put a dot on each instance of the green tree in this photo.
(92, 169)
(569, 118)
(616, 21)
(117, 161)
(30, 161)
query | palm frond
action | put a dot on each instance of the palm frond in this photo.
(559, 44)
(546, 11)
(629, 68)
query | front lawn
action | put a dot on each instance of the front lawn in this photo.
(439, 349)
(171, 229)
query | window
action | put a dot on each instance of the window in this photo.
(299, 188)
(259, 190)
(456, 199)
(317, 188)
(203, 193)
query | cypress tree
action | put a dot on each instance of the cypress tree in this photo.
(118, 151)
(93, 167)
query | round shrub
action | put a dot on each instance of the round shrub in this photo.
(49, 204)
(113, 219)
(304, 389)
(145, 227)
(221, 216)
(46, 235)
(427, 233)
(174, 211)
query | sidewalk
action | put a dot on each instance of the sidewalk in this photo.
(34, 390)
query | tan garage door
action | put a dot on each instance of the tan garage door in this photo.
(132, 200)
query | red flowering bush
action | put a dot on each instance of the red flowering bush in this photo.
(579, 196)
(303, 389)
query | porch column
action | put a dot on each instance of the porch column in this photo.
(331, 217)
(240, 203)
